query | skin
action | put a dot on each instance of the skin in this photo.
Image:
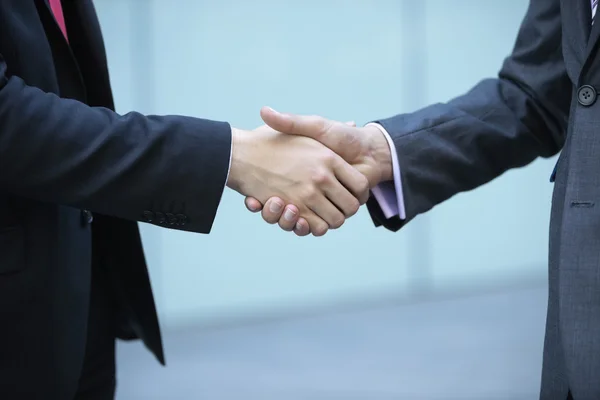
(325, 190)
(365, 148)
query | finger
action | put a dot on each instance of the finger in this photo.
(301, 228)
(272, 210)
(353, 181)
(344, 201)
(318, 226)
(321, 205)
(303, 125)
(253, 205)
(289, 218)
(337, 136)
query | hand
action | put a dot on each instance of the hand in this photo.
(323, 187)
(365, 148)
(276, 211)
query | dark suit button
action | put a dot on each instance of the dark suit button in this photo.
(148, 216)
(160, 217)
(182, 219)
(86, 217)
(171, 219)
(586, 95)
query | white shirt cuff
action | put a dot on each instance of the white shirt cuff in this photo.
(389, 195)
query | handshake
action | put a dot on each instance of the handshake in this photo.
(306, 172)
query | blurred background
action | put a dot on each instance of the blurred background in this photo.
(451, 307)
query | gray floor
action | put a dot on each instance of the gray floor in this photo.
(481, 347)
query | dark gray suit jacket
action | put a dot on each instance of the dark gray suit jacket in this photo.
(538, 105)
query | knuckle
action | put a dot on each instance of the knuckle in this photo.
(353, 208)
(329, 157)
(319, 122)
(310, 194)
(365, 186)
(364, 190)
(320, 230)
(337, 222)
(320, 177)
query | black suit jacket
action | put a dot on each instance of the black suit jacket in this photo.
(64, 150)
(544, 99)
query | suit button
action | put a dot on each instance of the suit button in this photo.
(160, 217)
(86, 217)
(148, 216)
(586, 95)
(182, 219)
(171, 219)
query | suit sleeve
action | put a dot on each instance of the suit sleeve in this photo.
(128, 166)
(501, 123)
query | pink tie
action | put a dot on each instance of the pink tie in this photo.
(58, 15)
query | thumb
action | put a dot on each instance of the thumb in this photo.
(292, 124)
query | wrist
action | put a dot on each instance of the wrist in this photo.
(239, 139)
(380, 151)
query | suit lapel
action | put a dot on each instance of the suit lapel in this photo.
(85, 37)
(594, 36)
(576, 16)
(65, 60)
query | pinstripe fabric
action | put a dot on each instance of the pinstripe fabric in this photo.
(532, 109)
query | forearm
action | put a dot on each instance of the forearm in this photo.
(450, 148)
(500, 124)
(62, 151)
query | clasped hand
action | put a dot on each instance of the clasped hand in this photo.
(311, 173)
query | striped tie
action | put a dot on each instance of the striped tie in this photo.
(594, 4)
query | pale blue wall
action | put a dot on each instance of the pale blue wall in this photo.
(357, 60)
